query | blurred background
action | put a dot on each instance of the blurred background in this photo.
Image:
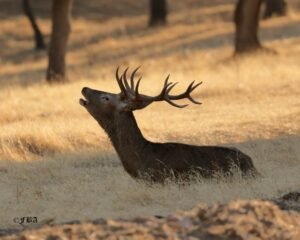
(94, 34)
(57, 163)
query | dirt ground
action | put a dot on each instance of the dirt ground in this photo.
(57, 163)
(237, 220)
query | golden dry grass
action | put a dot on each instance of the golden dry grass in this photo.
(56, 162)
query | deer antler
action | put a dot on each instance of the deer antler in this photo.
(132, 92)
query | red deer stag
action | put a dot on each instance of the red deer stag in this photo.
(147, 160)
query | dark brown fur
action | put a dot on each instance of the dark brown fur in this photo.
(158, 161)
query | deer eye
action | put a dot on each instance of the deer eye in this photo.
(105, 98)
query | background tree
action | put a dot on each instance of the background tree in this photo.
(158, 12)
(61, 27)
(38, 36)
(275, 7)
(246, 18)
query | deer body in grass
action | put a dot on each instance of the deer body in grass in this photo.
(152, 161)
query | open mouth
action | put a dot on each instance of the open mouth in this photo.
(83, 102)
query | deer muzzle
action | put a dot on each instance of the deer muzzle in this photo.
(84, 102)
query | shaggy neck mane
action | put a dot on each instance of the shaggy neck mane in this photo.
(127, 139)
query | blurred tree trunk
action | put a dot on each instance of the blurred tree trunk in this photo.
(275, 7)
(246, 22)
(38, 36)
(61, 28)
(158, 12)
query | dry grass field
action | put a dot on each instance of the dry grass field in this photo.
(57, 163)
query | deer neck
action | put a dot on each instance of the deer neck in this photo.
(127, 140)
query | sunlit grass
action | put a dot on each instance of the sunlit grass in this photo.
(56, 162)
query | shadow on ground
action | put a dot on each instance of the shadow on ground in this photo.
(95, 54)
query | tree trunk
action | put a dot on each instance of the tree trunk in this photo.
(38, 36)
(275, 7)
(61, 28)
(158, 12)
(246, 22)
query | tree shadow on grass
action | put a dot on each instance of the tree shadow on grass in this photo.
(160, 47)
(102, 10)
(184, 44)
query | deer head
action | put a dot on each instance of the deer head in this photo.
(104, 105)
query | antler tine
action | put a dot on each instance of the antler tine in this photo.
(132, 91)
(125, 80)
(192, 89)
(164, 95)
(176, 105)
(187, 93)
(198, 84)
(166, 80)
(171, 87)
(137, 88)
(132, 78)
(159, 97)
(119, 80)
(165, 87)
(167, 97)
